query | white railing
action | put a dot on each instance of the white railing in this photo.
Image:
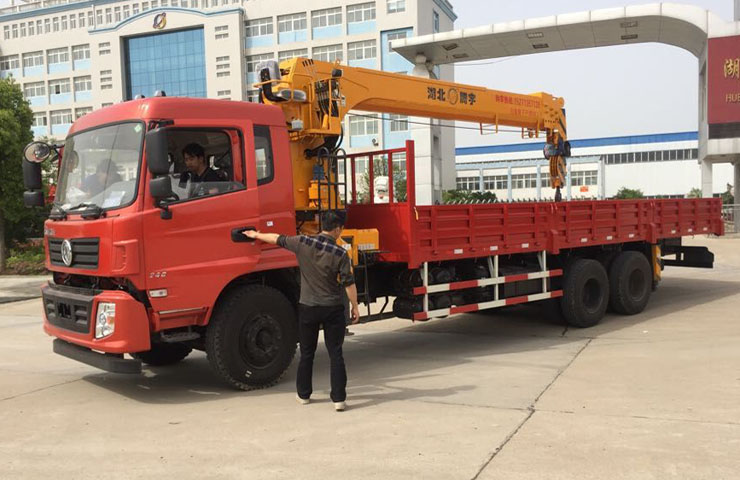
(731, 215)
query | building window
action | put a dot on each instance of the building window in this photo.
(581, 178)
(222, 31)
(326, 18)
(288, 54)
(39, 119)
(108, 16)
(23, 29)
(9, 62)
(223, 93)
(361, 50)
(72, 22)
(57, 55)
(83, 84)
(33, 59)
(254, 60)
(222, 74)
(496, 182)
(31, 29)
(47, 25)
(291, 23)
(395, 36)
(396, 6)
(259, 27)
(126, 12)
(55, 24)
(65, 25)
(468, 183)
(81, 52)
(107, 104)
(58, 87)
(435, 21)
(6, 32)
(363, 125)
(135, 9)
(81, 112)
(329, 53)
(363, 12)
(117, 14)
(36, 89)
(104, 48)
(399, 123)
(61, 117)
(253, 96)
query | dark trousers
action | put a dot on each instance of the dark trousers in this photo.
(310, 319)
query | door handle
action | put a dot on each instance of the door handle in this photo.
(238, 237)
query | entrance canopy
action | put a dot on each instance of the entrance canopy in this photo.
(683, 26)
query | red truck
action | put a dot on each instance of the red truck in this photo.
(150, 263)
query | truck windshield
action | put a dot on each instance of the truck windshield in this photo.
(100, 167)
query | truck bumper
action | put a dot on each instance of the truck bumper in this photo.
(70, 313)
(109, 362)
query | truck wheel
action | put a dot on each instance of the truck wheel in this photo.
(585, 293)
(631, 282)
(251, 338)
(163, 354)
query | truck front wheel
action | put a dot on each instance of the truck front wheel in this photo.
(252, 336)
(163, 354)
(585, 293)
(631, 281)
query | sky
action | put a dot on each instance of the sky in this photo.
(611, 91)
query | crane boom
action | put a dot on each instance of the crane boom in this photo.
(316, 96)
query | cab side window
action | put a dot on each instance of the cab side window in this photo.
(202, 163)
(263, 154)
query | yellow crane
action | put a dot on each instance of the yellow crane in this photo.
(315, 97)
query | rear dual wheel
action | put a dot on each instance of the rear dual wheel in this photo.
(585, 293)
(630, 283)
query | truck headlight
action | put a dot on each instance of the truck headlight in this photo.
(105, 319)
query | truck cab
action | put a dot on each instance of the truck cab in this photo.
(140, 271)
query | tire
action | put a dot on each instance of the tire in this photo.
(163, 354)
(251, 338)
(631, 282)
(585, 293)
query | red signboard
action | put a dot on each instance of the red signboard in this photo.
(723, 77)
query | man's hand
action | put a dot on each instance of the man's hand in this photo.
(355, 314)
(251, 234)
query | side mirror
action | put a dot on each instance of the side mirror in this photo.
(156, 152)
(161, 187)
(33, 199)
(37, 152)
(31, 175)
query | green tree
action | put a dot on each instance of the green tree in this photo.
(467, 196)
(694, 193)
(727, 197)
(15, 133)
(625, 193)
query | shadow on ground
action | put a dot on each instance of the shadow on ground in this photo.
(381, 362)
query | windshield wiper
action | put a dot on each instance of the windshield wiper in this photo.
(57, 212)
(92, 210)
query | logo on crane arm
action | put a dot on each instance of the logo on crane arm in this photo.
(452, 95)
(160, 21)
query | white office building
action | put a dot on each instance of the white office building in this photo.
(662, 165)
(71, 57)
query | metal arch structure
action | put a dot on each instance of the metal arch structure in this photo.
(685, 26)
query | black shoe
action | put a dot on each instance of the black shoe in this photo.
(347, 333)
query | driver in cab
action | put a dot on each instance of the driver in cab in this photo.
(198, 170)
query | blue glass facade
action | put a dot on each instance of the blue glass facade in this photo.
(174, 62)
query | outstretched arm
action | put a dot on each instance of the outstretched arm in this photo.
(271, 238)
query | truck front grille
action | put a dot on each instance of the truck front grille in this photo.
(85, 252)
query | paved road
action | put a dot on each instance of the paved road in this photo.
(508, 396)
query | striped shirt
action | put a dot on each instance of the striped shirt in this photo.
(326, 268)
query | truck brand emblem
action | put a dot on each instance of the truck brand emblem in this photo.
(67, 252)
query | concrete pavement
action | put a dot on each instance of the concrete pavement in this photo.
(502, 395)
(14, 288)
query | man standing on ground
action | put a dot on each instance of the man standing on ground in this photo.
(325, 271)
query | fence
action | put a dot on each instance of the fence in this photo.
(730, 215)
